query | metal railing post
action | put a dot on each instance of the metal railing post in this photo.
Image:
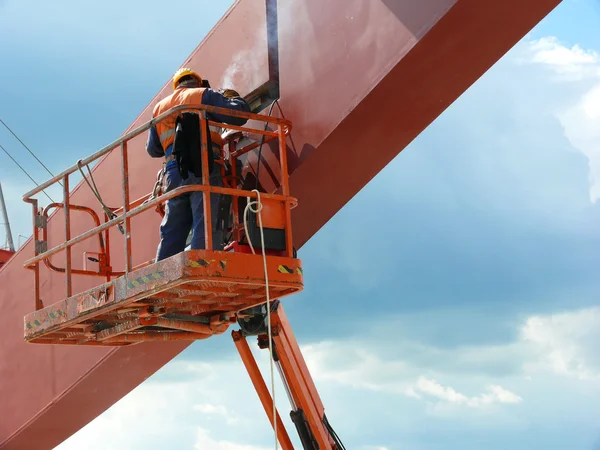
(283, 158)
(234, 177)
(127, 221)
(285, 190)
(67, 212)
(36, 267)
(107, 243)
(206, 182)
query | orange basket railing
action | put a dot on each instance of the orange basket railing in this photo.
(130, 209)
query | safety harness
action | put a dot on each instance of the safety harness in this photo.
(187, 143)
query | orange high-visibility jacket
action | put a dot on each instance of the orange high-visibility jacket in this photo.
(162, 135)
(166, 128)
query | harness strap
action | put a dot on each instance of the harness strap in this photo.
(217, 155)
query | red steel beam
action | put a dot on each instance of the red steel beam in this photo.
(5, 255)
(356, 77)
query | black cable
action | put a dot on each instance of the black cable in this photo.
(28, 149)
(283, 117)
(336, 438)
(25, 172)
(262, 141)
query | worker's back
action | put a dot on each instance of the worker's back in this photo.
(181, 96)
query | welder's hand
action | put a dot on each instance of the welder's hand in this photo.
(229, 93)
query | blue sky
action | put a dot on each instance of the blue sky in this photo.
(477, 329)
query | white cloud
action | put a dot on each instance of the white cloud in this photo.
(496, 394)
(565, 343)
(572, 66)
(205, 442)
(572, 63)
(218, 410)
(435, 389)
(580, 123)
(351, 364)
(562, 344)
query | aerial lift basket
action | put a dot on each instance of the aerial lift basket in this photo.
(192, 295)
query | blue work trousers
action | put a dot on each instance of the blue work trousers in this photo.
(186, 212)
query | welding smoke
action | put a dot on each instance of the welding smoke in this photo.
(248, 68)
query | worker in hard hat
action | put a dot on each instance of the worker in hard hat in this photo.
(186, 211)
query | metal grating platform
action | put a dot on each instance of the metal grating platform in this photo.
(189, 296)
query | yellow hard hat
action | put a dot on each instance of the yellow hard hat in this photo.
(184, 71)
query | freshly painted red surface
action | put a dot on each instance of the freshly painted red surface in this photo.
(5, 255)
(359, 80)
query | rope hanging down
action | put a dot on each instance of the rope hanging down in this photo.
(257, 211)
(109, 212)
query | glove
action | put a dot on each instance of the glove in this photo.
(229, 93)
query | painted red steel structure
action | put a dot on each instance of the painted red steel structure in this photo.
(359, 81)
(5, 255)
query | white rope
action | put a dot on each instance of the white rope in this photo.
(109, 212)
(257, 211)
